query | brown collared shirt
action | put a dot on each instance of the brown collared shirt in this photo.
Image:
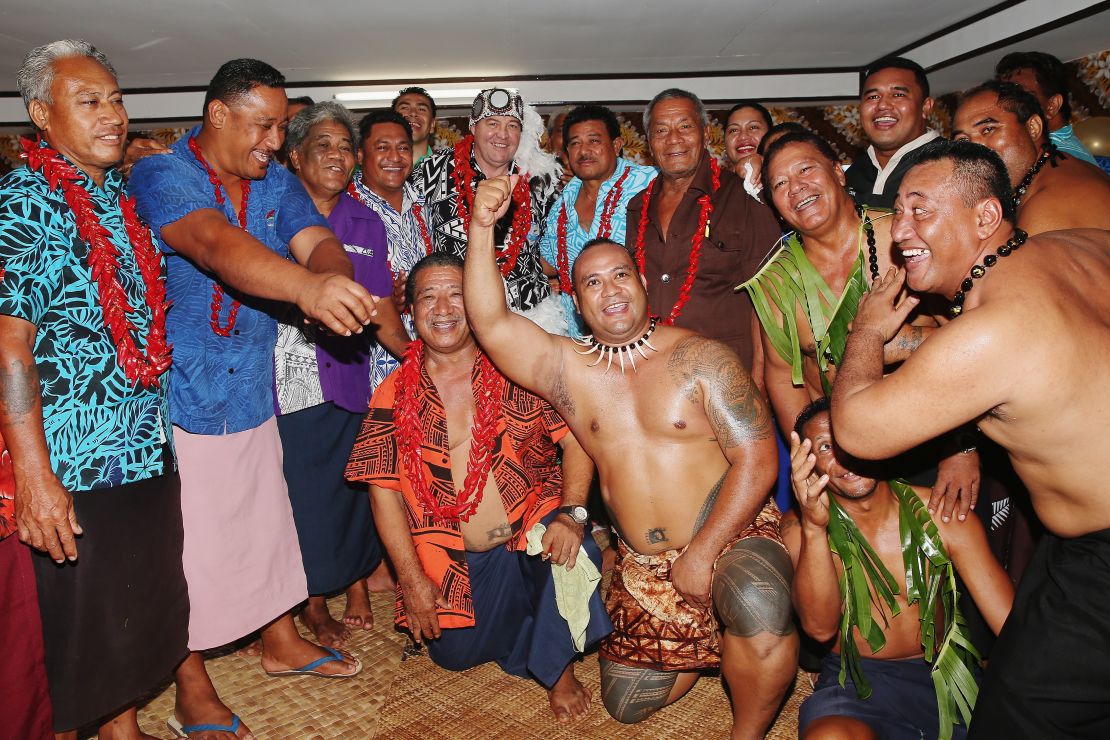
(742, 231)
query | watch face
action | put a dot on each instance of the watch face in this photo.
(577, 513)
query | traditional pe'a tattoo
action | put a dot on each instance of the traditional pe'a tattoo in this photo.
(735, 406)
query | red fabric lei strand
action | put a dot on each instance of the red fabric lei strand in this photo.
(217, 289)
(407, 414)
(103, 261)
(700, 234)
(604, 229)
(463, 176)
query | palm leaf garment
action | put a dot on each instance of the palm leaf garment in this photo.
(789, 282)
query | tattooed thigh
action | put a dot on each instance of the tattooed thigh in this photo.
(751, 588)
(632, 694)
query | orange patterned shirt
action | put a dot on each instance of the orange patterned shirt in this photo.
(525, 468)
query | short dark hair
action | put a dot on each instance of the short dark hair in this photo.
(237, 78)
(804, 136)
(1051, 74)
(779, 129)
(819, 406)
(415, 90)
(977, 170)
(896, 63)
(381, 115)
(1013, 98)
(302, 100)
(763, 112)
(595, 242)
(435, 259)
(591, 112)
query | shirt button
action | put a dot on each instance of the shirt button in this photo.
(327, 364)
(665, 278)
(236, 332)
(231, 371)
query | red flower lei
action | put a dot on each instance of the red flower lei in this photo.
(700, 233)
(463, 176)
(217, 289)
(103, 261)
(410, 439)
(417, 212)
(604, 229)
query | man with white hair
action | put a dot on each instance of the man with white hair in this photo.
(83, 352)
(504, 139)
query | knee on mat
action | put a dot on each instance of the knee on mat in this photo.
(751, 589)
(838, 728)
(631, 695)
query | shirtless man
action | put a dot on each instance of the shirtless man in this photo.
(699, 498)
(904, 699)
(1026, 359)
(806, 183)
(1052, 190)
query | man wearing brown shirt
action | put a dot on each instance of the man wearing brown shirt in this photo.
(704, 234)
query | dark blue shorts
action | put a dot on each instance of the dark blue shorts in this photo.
(903, 701)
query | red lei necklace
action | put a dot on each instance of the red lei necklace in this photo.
(604, 229)
(407, 414)
(700, 234)
(463, 176)
(217, 289)
(103, 261)
(417, 212)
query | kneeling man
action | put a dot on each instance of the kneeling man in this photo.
(686, 455)
(462, 464)
(895, 690)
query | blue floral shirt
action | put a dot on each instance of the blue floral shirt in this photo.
(101, 430)
(221, 385)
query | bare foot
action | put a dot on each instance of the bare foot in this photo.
(294, 654)
(319, 621)
(570, 700)
(381, 580)
(210, 712)
(124, 726)
(358, 614)
(251, 650)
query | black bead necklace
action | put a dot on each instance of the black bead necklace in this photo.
(872, 250)
(1019, 192)
(979, 271)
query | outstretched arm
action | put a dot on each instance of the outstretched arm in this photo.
(519, 348)
(742, 425)
(948, 381)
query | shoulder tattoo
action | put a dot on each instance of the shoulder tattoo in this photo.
(735, 406)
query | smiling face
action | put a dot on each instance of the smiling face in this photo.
(86, 120)
(936, 233)
(743, 132)
(386, 158)
(610, 294)
(417, 110)
(325, 160)
(496, 139)
(251, 129)
(808, 189)
(677, 137)
(592, 154)
(437, 309)
(893, 109)
(982, 120)
(834, 462)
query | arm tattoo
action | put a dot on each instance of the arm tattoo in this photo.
(656, 535)
(911, 338)
(710, 501)
(736, 409)
(19, 389)
(500, 532)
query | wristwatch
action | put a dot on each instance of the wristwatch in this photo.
(577, 514)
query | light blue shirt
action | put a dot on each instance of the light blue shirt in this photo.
(1067, 142)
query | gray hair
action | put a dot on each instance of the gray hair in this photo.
(672, 93)
(327, 110)
(37, 73)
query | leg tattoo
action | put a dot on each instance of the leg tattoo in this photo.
(632, 695)
(751, 588)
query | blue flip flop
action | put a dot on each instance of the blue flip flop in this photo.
(180, 730)
(310, 669)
